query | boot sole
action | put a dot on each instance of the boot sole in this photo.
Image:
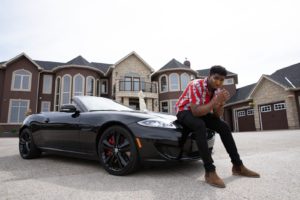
(215, 185)
(237, 174)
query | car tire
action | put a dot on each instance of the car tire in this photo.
(117, 151)
(27, 147)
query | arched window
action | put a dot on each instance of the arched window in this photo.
(90, 82)
(66, 91)
(78, 84)
(163, 83)
(57, 93)
(21, 80)
(185, 78)
(174, 82)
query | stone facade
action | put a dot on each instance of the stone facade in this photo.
(133, 66)
(268, 91)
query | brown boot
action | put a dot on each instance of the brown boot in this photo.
(213, 179)
(243, 171)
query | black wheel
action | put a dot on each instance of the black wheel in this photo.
(27, 148)
(117, 151)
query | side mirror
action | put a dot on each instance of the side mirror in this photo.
(70, 108)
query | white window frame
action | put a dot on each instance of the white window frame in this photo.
(178, 82)
(62, 90)
(86, 85)
(171, 101)
(12, 88)
(241, 113)
(188, 80)
(44, 84)
(9, 109)
(250, 112)
(228, 81)
(74, 84)
(44, 105)
(101, 82)
(279, 106)
(55, 93)
(167, 83)
(266, 108)
(167, 106)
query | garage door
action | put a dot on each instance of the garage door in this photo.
(273, 116)
(246, 120)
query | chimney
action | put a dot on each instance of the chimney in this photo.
(187, 63)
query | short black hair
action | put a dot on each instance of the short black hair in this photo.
(218, 69)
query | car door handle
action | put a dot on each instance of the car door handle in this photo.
(47, 120)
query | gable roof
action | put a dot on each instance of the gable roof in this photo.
(288, 76)
(205, 72)
(4, 64)
(242, 94)
(135, 54)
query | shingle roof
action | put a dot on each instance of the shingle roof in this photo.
(205, 72)
(102, 66)
(290, 73)
(241, 93)
(48, 65)
(79, 60)
(173, 64)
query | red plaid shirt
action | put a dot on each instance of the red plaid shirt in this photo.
(196, 92)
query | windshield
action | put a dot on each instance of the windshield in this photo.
(100, 103)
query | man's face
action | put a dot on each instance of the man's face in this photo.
(216, 81)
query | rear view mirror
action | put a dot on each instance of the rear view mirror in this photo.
(68, 108)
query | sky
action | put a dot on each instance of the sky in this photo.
(249, 38)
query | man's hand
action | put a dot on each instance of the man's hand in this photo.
(219, 99)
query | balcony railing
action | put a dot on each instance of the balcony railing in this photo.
(137, 86)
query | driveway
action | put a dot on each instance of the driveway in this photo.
(276, 155)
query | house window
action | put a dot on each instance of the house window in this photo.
(184, 80)
(279, 106)
(241, 113)
(90, 82)
(136, 84)
(47, 84)
(164, 106)
(127, 83)
(228, 81)
(173, 105)
(17, 110)
(21, 80)
(174, 82)
(57, 94)
(78, 85)
(104, 86)
(163, 84)
(265, 108)
(45, 107)
(250, 112)
(66, 92)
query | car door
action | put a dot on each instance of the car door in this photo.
(61, 131)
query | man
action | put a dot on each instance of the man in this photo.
(199, 107)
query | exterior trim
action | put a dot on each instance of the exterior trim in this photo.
(83, 82)
(62, 86)
(86, 85)
(178, 83)
(77, 66)
(17, 57)
(13, 81)
(167, 80)
(9, 109)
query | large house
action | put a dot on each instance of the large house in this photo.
(38, 86)
(271, 103)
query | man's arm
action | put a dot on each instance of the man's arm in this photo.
(218, 110)
(201, 110)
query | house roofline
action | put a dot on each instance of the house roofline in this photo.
(4, 65)
(139, 57)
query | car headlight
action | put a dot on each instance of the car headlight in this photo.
(157, 122)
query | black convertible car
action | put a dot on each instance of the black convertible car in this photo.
(99, 128)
